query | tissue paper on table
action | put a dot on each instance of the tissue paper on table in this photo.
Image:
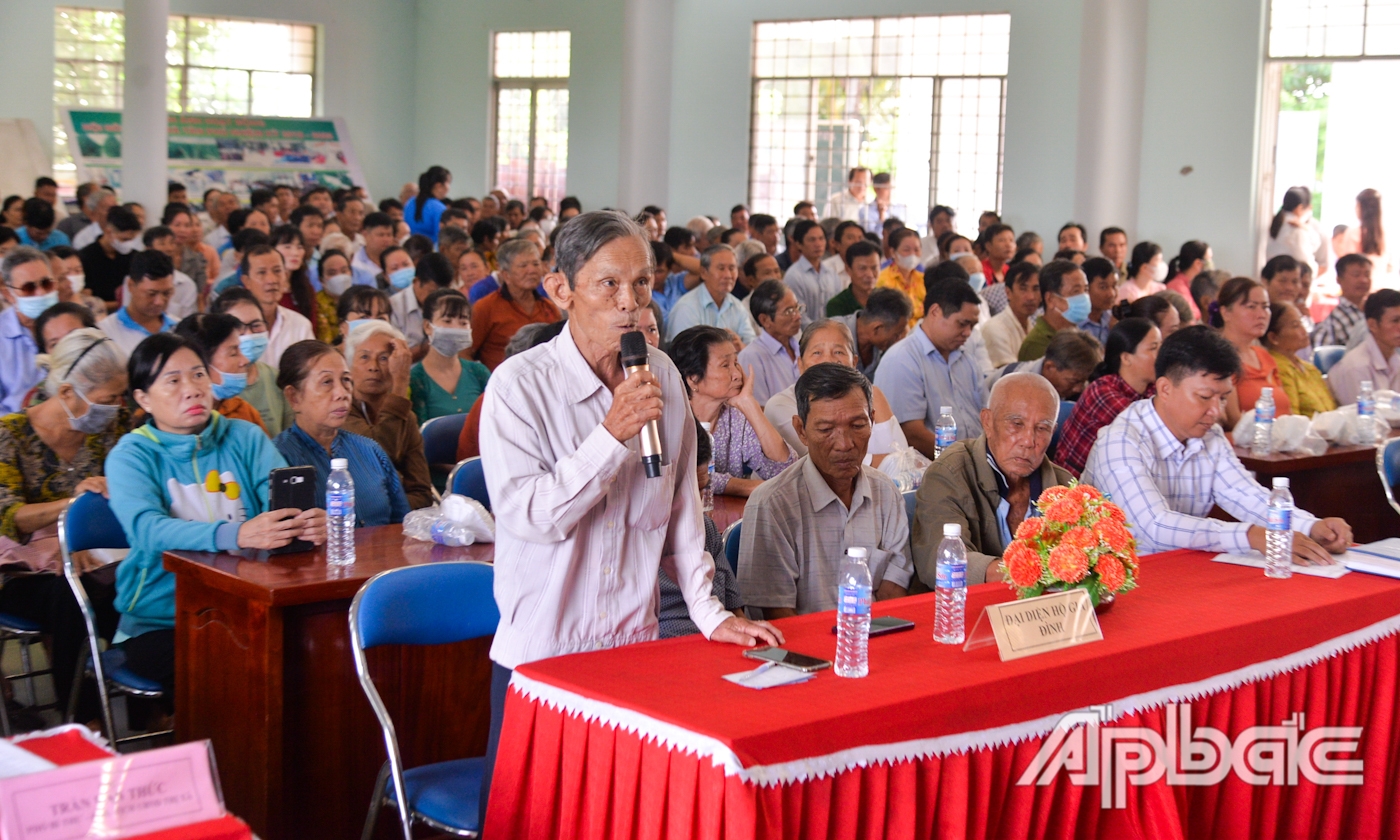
(1292, 433)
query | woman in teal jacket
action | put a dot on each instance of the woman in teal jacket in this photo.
(190, 479)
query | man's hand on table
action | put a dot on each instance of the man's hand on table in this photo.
(745, 633)
(1328, 535)
(1333, 534)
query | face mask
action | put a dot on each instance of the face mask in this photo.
(97, 418)
(252, 345)
(908, 262)
(338, 284)
(233, 384)
(1159, 272)
(126, 246)
(977, 281)
(33, 307)
(76, 282)
(402, 278)
(449, 341)
(1207, 265)
(1079, 308)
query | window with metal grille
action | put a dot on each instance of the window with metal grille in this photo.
(214, 66)
(530, 112)
(922, 98)
(1334, 28)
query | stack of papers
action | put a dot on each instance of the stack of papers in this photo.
(1377, 558)
(768, 675)
(1256, 560)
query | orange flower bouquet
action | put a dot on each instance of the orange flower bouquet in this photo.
(1079, 541)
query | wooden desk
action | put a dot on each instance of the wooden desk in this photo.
(264, 669)
(728, 510)
(1340, 482)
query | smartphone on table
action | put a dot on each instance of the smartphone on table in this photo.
(885, 625)
(788, 659)
(293, 487)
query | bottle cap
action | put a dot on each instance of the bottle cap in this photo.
(1280, 482)
(1366, 383)
(952, 529)
(856, 551)
(945, 409)
(1266, 392)
(339, 464)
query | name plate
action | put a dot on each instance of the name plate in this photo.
(111, 798)
(1042, 624)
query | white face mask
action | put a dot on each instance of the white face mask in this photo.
(908, 262)
(338, 284)
(1159, 272)
(76, 282)
(126, 246)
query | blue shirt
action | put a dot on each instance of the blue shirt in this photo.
(55, 238)
(1004, 506)
(1099, 329)
(697, 306)
(482, 288)
(917, 380)
(675, 290)
(379, 496)
(18, 373)
(432, 215)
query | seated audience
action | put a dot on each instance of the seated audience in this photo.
(1241, 313)
(150, 283)
(218, 339)
(1123, 377)
(1006, 331)
(721, 397)
(1064, 297)
(261, 390)
(165, 506)
(362, 303)
(1193, 258)
(184, 298)
(50, 454)
(1181, 304)
(1347, 321)
(906, 253)
(431, 273)
(1205, 289)
(264, 274)
(379, 360)
(244, 241)
(106, 259)
(1283, 279)
(473, 277)
(861, 263)
(824, 341)
(336, 277)
(773, 355)
(1146, 271)
(998, 244)
(1069, 361)
(882, 322)
(988, 484)
(319, 388)
(38, 228)
(1166, 462)
(59, 320)
(29, 289)
(528, 336)
(67, 271)
(519, 301)
(843, 236)
(930, 369)
(1377, 358)
(1301, 381)
(798, 526)
(1103, 292)
(443, 382)
(673, 615)
(299, 296)
(1155, 308)
(813, 283)
(367, 262)
(712, 303)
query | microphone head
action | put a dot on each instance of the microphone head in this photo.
(634, 349)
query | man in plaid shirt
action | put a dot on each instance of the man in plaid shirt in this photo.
(1347, 321)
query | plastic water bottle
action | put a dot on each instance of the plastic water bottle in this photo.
(853, 615)
(951, 589)
(1263, 423)
(340, 514)
(1366, 413)
(945, 431)
(1278, 539)
(426, 525)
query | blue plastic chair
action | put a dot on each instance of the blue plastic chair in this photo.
(88, 523)
(1388, 467)
(26, 633)
(433, 604)
(1066, 407)
(1328, 355)
(467, 479)
(440, 436)
(731, 545)
(910, 503)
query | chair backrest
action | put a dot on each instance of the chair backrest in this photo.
(731, 545)
(440, 438)
(1388, 466)
(468, 480)
(1328, 355)
(1066, 407)
(89, 523)
(910, 503)
(432, 604)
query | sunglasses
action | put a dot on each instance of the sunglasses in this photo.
(30, 289)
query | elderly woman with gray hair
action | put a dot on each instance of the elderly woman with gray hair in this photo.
(519, 301)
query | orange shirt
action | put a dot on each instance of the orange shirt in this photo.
(237, 408)
(1251, 380)
(495, 321)
(890, 278)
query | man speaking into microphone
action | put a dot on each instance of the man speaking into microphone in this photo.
(581, 531)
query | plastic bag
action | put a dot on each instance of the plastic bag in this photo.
(906, 465)
(456, 521)
(1291, 433)
(1343, 427)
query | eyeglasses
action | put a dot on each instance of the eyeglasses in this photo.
(250, 327)
(30, 289)
(799, 309)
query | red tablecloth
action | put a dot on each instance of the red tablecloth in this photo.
(648, 741)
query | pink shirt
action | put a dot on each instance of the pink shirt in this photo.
(580, 530)
(1179, 285)
(1130, 292)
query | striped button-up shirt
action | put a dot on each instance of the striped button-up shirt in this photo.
(581, 532)
(1167, 487)
(1339, 327)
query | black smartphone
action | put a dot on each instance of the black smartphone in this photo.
(293, 487)
(886, 624)
(788, 659)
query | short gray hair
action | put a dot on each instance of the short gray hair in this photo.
(21, 255)
(357, 336)
(452, 235)
(748, 249)
(85, 358)
(888, 306)
(580, 238)
(825, 323)
(708, 255)
(94, 198)
(829, 381)
(508, 251)
(1074, 350)
(1026, 378)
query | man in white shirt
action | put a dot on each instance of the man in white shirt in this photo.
(773, 355)
(95, 207)
(881, 209)
(812, 282)
(1377, 357)
(149, 284)
(940, 221)
(379, 235)
(1166, 462)
(185, 299)
(847, 205)
(223, 204)
(1005, 331)
(265, 275)
(581, 532)
(844, 236)
(712, 302)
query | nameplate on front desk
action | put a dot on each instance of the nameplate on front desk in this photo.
(1042, 624)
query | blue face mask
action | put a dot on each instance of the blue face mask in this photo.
(402, 278)
(33, 307)
(977, 281)
(1079, 308)
(252, 345)
(232, 386)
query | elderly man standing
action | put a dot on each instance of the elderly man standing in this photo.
(798, 525)
(988, 485)
(581, 531)
(848, 204)
(773, 357)
(712, 303)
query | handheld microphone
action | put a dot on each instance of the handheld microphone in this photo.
(634, 360)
